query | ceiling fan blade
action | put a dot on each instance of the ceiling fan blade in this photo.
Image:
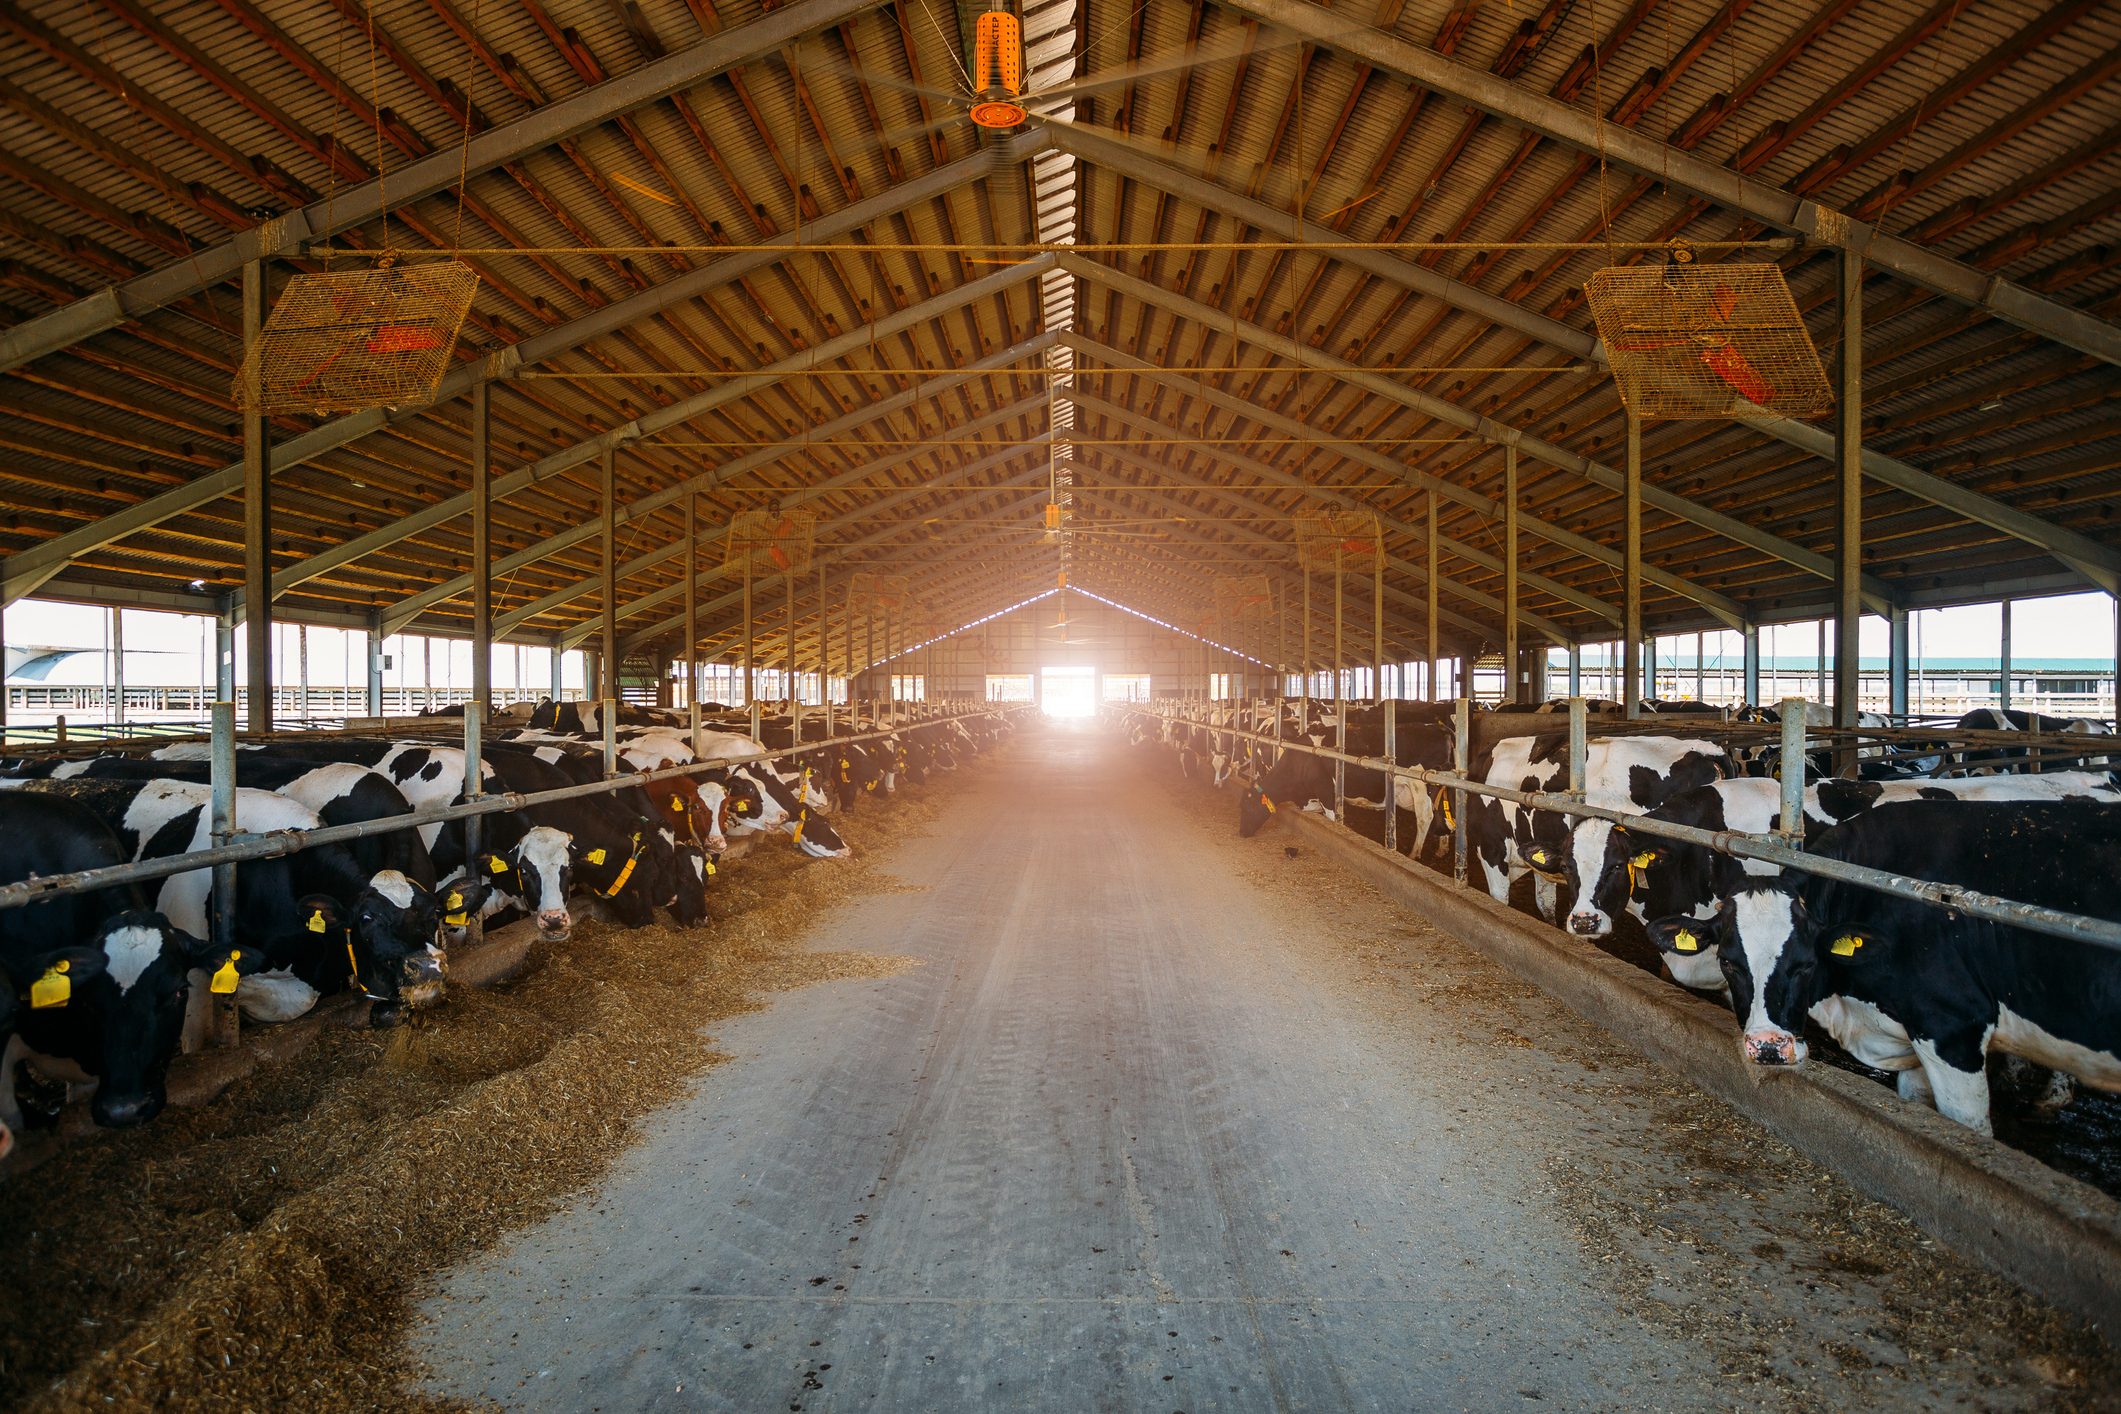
(880, 78)
(1730, 365)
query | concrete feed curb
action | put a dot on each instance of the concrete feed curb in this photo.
(2048, 1232)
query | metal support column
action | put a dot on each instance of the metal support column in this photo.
(2005, 657)
(1848, 467)
(795, 701)
(1461, 762)
(559, 665)
(1896, 664)
(222, 1023)
(1304, 650)
(375, 668)
(824, 649)
(481, 610)
(257, 519)
(1511, 663)
(1575, 670)
(692, 619)
(1631, 576)
(1391, 798)
(1791, 771)
(608, 671)
(1428, 565)
(1752, 665)
(1340, 693)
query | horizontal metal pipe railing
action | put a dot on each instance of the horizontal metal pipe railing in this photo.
(283, 842)
(2096, 931)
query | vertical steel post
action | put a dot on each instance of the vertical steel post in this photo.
(1700, 671)
(750, 683)
(257, 517)
(1791, 771)
(1304, 652)
(474, 788)
(1579, 745)
(2004, 682)
(558, 659)
(1820, 650)
(1631, 575)
(1575, 669)
(375, 669)
(1461, 762)
(1377, 621)
(1752, 665)
(222, 1022)
(692, 614)
(1896, 664)
(1391, 800)
(1429, 567)
(1848, 466)
(795, 699)
(1340, 693)
(481, 609)
(824, 648)
(1510, 661)
(116, 712)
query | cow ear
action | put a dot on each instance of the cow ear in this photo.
(320, 913)
(1854, 944)
(487, 865)
(462, 896)
(1684, 936)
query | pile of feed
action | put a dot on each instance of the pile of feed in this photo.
(263, 1252)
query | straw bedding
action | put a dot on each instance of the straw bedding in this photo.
(262, 1253)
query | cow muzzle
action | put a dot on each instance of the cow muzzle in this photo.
(422, 978)
(1588, 925)
(124, 1111)
(555, 925)
(1773, 1048)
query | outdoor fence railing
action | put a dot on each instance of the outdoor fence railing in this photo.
(1784, 849)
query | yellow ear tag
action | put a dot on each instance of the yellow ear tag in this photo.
(1686, 942)
(316, 922)
(53, 988)
(743, 806)
(710, 866)
(595, 856)
(456, 901)
(677, 804)
(1641, 861)
(457, 920)
(225, 979)
(498, 865)
(1846, 945)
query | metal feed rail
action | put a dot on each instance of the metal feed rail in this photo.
(1790, 855)
(284, 842)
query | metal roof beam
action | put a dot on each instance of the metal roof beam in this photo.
(1588, 603)
(1587, 132)
(24, 572)
(568, 593)
(440, 170)
(1727, 610)
(1877, 593)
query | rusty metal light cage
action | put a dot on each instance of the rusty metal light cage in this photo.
(772, 542)
(1689, 340)
(1349, 541)
(344, 340)
(878, 593)
(1243, 597)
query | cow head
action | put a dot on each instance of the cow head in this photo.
(535, 875)
(45, 980)
(622, 872)
(393, 935)
(137, 1004)
(1254, 808)
(814, 836)
(1768, 951)
(1615, 865)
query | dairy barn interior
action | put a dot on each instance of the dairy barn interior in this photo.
(1078, 639)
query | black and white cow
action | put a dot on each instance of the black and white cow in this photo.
(1630, 773)
(300, 912)
(1919, 990)
(1652, 876)
(121, 1019)
(2011, 719)
(1299, 778)
(621, 864)
(340, 793)
(532, 875)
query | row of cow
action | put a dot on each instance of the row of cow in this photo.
(1901, 985)
(102, 987)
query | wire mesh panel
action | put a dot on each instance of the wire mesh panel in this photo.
(340, 341)
(1243, 596)
(1707, 341)
(774, 542)
(878, 593)
(1345, 540)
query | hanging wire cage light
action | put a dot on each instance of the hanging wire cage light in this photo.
(1692, 340)
(1243, 597)
(878, 593)
(1345, 540)
(771, 542)
(345, 340)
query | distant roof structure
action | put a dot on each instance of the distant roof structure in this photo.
(1244, 261)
